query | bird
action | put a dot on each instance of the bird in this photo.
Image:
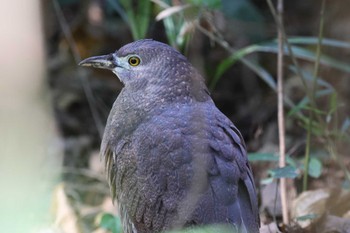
(173, 159)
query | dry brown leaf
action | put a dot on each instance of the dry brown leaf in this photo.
(338, 203)
(322, 202)
(331, 224)
(309, 202)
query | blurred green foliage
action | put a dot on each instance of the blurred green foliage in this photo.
(111, 223)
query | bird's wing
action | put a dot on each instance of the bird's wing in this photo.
(231, 159)
(192, 169)
(163, 171)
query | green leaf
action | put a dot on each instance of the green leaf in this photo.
(110, 222)
(333, 106)
(306, 55)
(268, 157)
(315, 167)
(213, 4)
(283, 172)
(138, 17)
(309, 77)
(253, 157)
(317, 128)
(303, 53)
(175, 25)
(271, 47)
(303, 104)
(261, 72)
(316, 111)
(315, 41)
(143, 17)
(306, 217)
(233, 58)
(256, 68)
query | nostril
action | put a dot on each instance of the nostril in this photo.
(110, 57)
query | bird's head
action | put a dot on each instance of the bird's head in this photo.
(151, 63)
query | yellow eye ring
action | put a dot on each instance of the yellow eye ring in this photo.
(134, 61)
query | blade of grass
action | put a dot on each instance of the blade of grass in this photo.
(299, 52)
(268, 157)
(143, 17)
(271, 47)
(138, 19)
(313, 94)
(305, 101)
(239, 56)
(315, 41)
(308, 77)
(115, 5)
(174, 21)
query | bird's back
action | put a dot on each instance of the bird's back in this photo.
(185, 165)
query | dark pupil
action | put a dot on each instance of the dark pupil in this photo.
(133, 61)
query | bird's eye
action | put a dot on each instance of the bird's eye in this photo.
(134, 61)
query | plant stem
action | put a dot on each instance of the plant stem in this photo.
(281, 124)
(313, 95)
(307, 152)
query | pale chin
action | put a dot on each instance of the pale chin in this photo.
(115, 71)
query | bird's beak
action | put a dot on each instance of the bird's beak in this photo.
(103, 62)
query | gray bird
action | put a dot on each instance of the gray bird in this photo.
(173, 160)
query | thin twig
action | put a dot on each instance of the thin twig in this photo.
(313, 94)
(294, 60)
(86, 86)
(280, 27)
(280, 106)
(307, 151)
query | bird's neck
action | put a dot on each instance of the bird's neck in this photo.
(146, 97)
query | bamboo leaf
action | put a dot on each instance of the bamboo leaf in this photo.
(283, 172)
(268, 157)
(256, 68)
(137, 17)
(271, 47)
(309, 77)
(315, 41)
(305, 101)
